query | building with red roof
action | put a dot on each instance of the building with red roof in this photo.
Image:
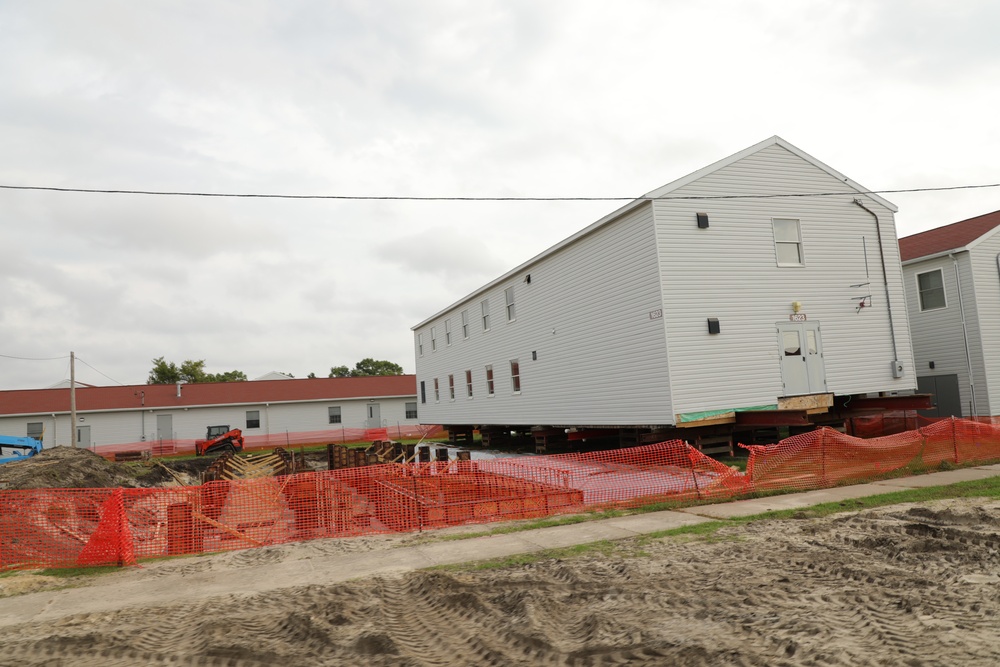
(952, 279)
(170, 417)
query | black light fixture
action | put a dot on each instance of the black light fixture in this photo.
(713, 325)
(702, 220)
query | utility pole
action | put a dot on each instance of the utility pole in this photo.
(72, 397)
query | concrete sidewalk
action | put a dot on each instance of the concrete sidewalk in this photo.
(132, 588)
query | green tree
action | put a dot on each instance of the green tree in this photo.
(311, 376)
(191, 371)
(367, 367)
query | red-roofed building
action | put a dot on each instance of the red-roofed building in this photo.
(269, 412)
(952, 280)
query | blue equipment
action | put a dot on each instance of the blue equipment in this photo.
(24, 448)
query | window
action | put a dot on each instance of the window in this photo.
(434, 343)
(931, 288)
(253, 418)
(437, 391)
(420, 344)
(508, 295)
(468, 384)
(486, 314)
(334, 413)
(423, 392)
(35, 430)
(451, 387)
(447, 332)
(411, 410)
(787, 242)
(489, 380)
(465, 324)
(515, 376)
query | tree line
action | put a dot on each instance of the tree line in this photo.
(192, 372)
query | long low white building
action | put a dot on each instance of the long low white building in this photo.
(269, 412)
(765, 288)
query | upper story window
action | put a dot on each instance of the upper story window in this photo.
(930, 285)
(787, 242)
(489, 380)
(508, 295)
(465, 324)
(423, 392)
(515, 376)
(434, 343)
(486, 314)
(447, 332)
(420, 344)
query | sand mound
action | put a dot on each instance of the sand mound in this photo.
(71, 468)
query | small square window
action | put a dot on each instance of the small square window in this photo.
(411, 410)
(35, 430)
(930, 285)
(334, 414)
(253, 418)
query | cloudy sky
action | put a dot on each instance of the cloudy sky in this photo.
(437, 98)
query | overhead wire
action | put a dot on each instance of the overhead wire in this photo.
(246, 195)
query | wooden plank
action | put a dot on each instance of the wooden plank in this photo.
(725, 418)
(808, 402)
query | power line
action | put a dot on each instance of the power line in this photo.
(164, 193)
(97, 371)
(7, 356)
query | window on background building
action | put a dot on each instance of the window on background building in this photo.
(334, 414)
(447, 332)
(35, 430)
(508, 295)
(515, 376)
(423, 392)
(485, 306)
(465, 324)
(468, 384)
(434, 343)
(931, 288)
(787, 242)
(411, 410)
(437, 391)
(489, 380)
(253, 418)
(420, 344)
(451, 387)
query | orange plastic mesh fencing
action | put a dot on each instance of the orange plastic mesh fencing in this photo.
(75, 527)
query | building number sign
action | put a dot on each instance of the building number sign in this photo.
(656, 314)
(797, 317)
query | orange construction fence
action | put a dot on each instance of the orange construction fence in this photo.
(76, 527)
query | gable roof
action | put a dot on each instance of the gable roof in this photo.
(165, 396)
(956, 236)
(661, 192)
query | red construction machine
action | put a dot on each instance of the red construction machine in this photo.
(220, 439)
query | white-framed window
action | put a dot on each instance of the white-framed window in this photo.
(489, 380)
(437, 391)
(35, 430)
(333, 414)
(451, 387)
(930, 286)
(253, 418)
(468, 384)
(787, 242)
(447, 332)
(508, 296)
(411, 410)
(465, 324)
(434, 343)
(485, 307)
(420, 344)
(515, 376)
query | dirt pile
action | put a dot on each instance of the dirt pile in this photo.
(72, 468)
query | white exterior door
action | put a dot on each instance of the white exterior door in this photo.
(374, 415)
(164, 427)
(83, 437)
(800, 351)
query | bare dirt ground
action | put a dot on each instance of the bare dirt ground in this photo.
(914, 585)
